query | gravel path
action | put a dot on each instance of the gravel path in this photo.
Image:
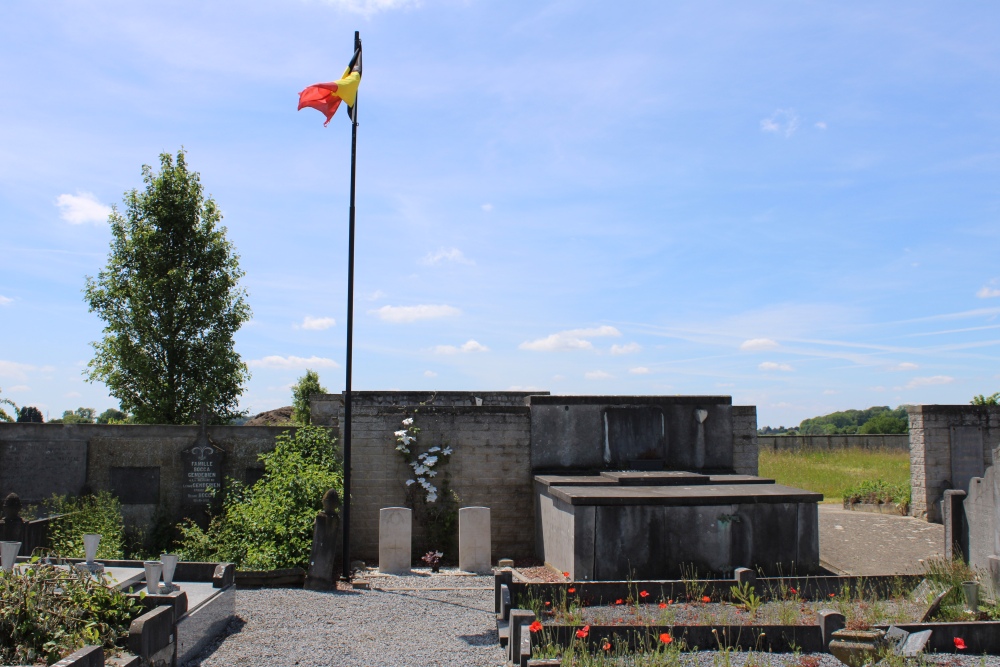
(406, 625)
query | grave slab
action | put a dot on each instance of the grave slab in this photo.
(474, 545)
(395, 534)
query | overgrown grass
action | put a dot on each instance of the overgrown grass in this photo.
(831, 472)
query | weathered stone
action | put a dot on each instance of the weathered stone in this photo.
(474, 542)
(326, 544)
(395, 540)
(829, 621)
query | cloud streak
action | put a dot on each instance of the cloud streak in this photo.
(407, 314)
(934, 380)
(289, 362)
(316, 323)
(446, 255)
(572, 339)
(82, 208)
(774, 366)
(468, 346)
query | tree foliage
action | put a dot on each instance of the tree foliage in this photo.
(852, 421)
(4, 417)
(270, 525)
(171, 302)
(29, 414)
(78, 416)
(986, 400)
(307, 385)
(112, 416)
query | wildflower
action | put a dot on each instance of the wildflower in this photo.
(566, 574)
(793, 591)
(606, 645)
(535, 626)
(583, 632)
(446, 451)
(960, 643)
(706, 599)
(833, 595)
(548, 604)
(643, 594)
(571, 590)
(408, 421)
(665, 638)
(663, 605)
(670, 601)
(619, 601)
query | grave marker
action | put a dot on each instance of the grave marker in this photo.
(202, 468)
(474, 545)
(395, 532)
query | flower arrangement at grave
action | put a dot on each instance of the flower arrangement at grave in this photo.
(429, 492)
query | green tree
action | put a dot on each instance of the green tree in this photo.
(4, 417)
(884, 423)
(78, 416)
(171, 302)
(112, 416)
(29, 414)
(307, 385)
(986, 400)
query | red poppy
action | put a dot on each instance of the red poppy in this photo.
(793, 591)
(670, 601)
(535, 627)
(960, 643)
(665, 638)
(663, 605)
(643, 594)
(547, 603)
(583, 632)
(571, 590)
(833, 595)
(566, 574)
(618, 601)
(706, 599)
(606, 645)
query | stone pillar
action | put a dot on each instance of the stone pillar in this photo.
(474, 545)
(326, 545)
(395, 533)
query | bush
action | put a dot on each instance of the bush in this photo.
(100, 514)
(878, 491)
(46, 613)
(270, 525)
(29, 414)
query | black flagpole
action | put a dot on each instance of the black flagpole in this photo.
(346, 427)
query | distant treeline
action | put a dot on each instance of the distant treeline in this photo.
(880, 419)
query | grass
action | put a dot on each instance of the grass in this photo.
(831, 472)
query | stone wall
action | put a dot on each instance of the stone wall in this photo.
(782, 443)
(139, 462)
(949, 445)
(745, 440)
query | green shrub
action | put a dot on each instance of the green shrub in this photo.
(100, 513)
(878, 491)
(270, 525)
(46, 613)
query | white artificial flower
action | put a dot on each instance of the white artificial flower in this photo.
(421, 470)
(446, 451)
(432, 473)
(407, 439)
(408, 421)
(414, 464)
(400, 434)
(410, 482)
(424, 483)
(431, 497)
(402, 448)
(422, 456)
(430, 460)
(434, 449)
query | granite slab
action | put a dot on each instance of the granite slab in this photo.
(701, 494)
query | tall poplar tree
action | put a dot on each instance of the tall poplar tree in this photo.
(171, 302)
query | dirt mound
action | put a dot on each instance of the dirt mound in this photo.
(279, 417)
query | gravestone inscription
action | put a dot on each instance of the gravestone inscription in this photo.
(202, 468)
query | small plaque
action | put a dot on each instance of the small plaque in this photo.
(202, 469)
(136, 486)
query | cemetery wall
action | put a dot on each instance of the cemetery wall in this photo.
(783, 443)
(949, 445)
(745, 439)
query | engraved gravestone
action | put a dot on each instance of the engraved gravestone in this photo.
(201, 464)
(966, 455)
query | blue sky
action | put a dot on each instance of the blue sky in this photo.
(793, 203)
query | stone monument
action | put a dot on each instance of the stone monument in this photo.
(982, 516)
(326, 544)
(202, 466)
(12, 525)
(395, 533)
(474, 545)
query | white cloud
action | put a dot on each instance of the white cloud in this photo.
(487, 207)
(369, 7)
(987, 292)
(639, 370)
(754, 344)
(821, 125)
(316, 323)
(376, 295)
(773, 366)
(275, 361)
(830, 392)
(401, 314)
(468, 346)
(905, 366)
(72, 394)
(13, 369)
(929, 381)
(430, 374)
(448, 254)
(597, 375)
(574, 339)
(725, 384)
(782, 121)
(627, 348)
(4, 300)
(878, 388)
(523, 387)
(82, 207)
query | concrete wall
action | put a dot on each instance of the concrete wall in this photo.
(38, 460)
(781, 443)
(949, 444)
(745, 440)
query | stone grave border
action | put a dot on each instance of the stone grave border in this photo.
(512, 624)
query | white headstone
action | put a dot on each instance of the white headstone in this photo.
(395, 532)
(474, 543)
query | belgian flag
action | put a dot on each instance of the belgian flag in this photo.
(326, 97)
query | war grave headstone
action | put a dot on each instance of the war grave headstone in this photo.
(474, 545)
(395, 532)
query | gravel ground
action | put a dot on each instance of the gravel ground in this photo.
(399, 623)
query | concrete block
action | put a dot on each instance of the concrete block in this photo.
(520, 619)
(88, 656)
(224, 575)
(395, 537)
(474, 543)
(829, 622)
(152, 632)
